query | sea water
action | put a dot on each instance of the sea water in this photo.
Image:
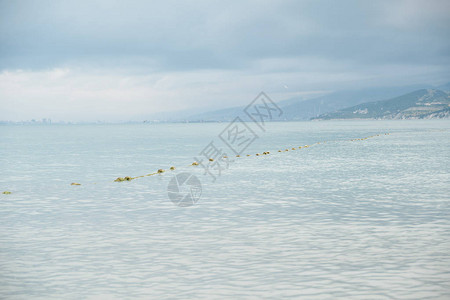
(342, 219)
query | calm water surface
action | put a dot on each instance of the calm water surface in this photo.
(362, 220)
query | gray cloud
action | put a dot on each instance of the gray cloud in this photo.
(211, 50)
(204, 34)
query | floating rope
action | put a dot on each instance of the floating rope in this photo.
(160, 171)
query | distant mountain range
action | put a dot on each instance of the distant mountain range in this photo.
(421, 104)
(296, 109)
(414, 101)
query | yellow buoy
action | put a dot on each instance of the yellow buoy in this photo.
(195, 163)
(172, 168)
(6, 193)
(74, 183)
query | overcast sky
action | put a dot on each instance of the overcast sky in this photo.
(120, 60)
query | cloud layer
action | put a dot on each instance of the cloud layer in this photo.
(116, 60)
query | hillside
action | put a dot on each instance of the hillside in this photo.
(421, 104)
(299, 109)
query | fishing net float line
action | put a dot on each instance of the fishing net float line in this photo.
(161, 171)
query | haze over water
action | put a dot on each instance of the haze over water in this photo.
(362, 219)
